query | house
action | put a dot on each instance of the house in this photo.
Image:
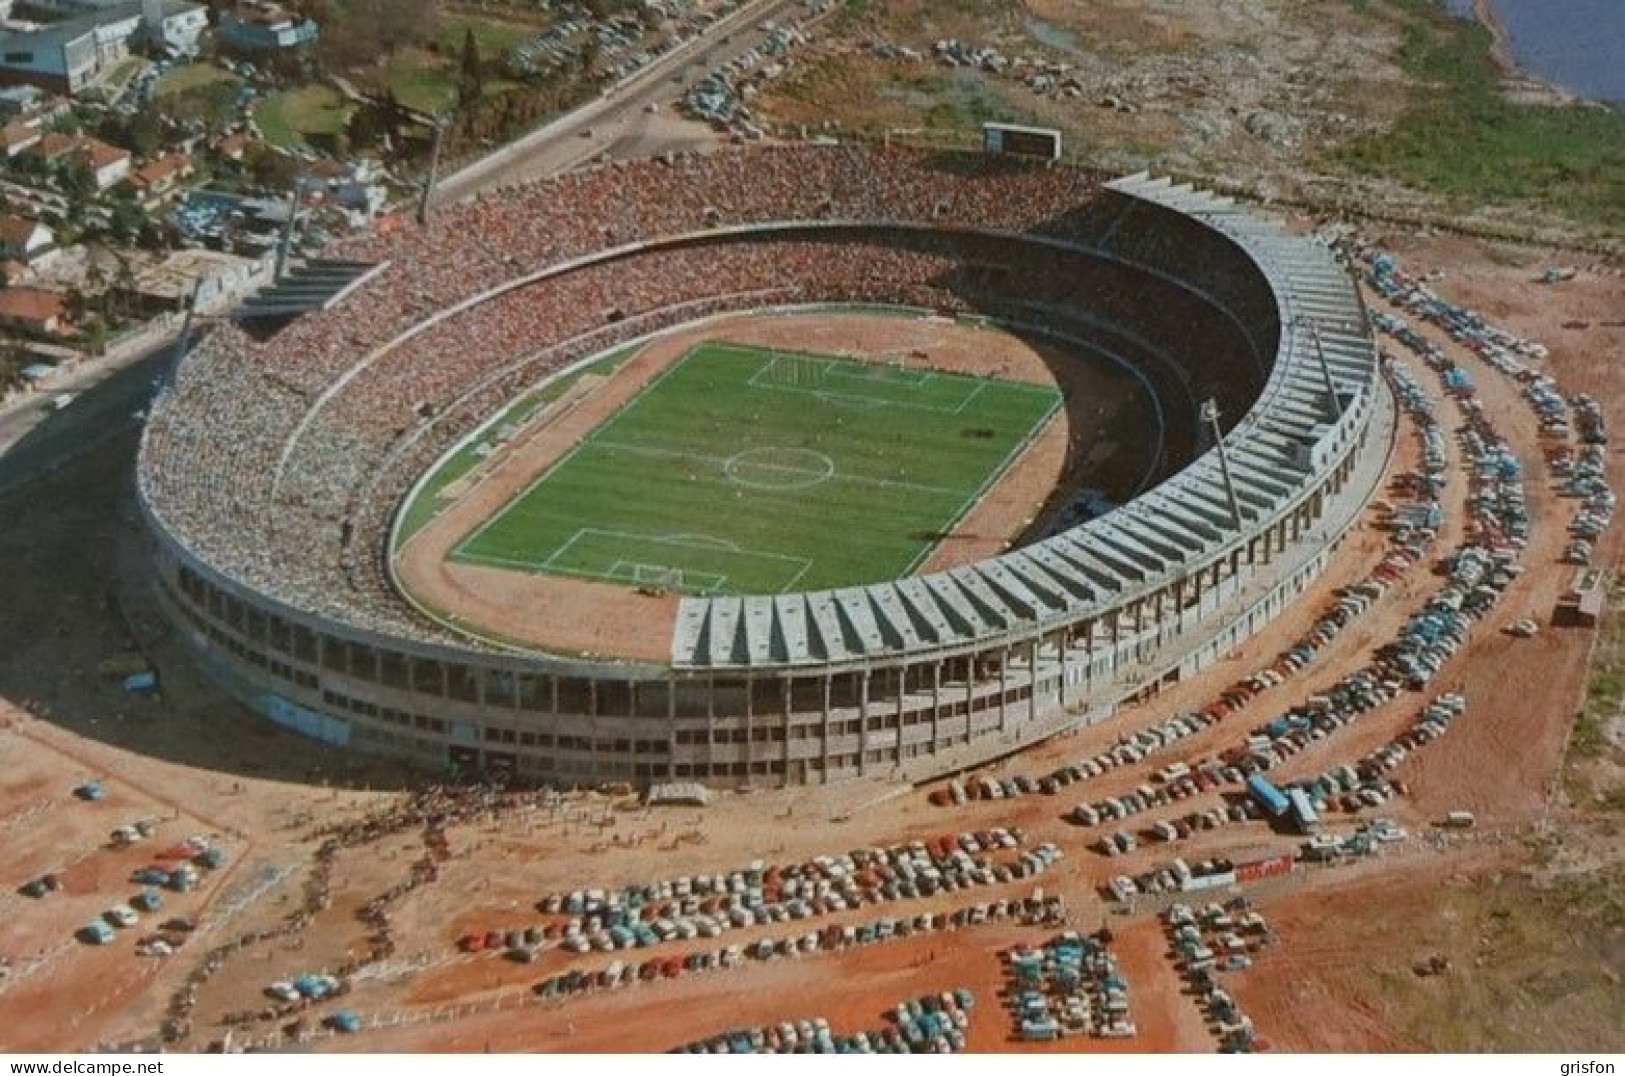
(23, 240)
(54, 147)
(233, 146)
(264, 26)
(15, 137)
(215, 278)
(34, 310)
(161, 176)
(110, 165)
(20, 100)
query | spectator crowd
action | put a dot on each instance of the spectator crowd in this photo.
(281, 462)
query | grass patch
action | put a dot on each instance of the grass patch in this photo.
(1590, 769)
(426, 505)
(495, 39)
(749, 471)
(191, 77)
(421, 81)
(289, 117)
(1463, 139)
(1534, 968)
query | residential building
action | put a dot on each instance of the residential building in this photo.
(23, 240)
(109, 165)
(17, 137)
(34, 310)
(265, 26)
(20, 100)
(161, 176)
(216, 278)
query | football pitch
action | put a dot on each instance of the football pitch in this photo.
(748, 471)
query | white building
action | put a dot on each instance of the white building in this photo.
(79, 51)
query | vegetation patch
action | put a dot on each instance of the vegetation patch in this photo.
(292, 117)
(192, 77)
(1462, 138)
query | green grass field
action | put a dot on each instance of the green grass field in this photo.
(743, 471)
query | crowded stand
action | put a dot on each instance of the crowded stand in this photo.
(281, 462)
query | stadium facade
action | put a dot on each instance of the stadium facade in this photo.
(904, 678)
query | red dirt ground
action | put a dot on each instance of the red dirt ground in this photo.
(580, 617)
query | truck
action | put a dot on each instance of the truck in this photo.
(1303, 811)
(1268, 796)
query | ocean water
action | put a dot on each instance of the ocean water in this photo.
(1576, 44)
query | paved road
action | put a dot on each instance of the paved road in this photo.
(619, 123)
(36, 439)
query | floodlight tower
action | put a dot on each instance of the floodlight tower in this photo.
(1210, 415)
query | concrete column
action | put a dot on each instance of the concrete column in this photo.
(1004, 683)
(1032, 676)
(788, 681)
(863, 723)
(671, 725)
(936, 706)
(750, 727)
(824, 744)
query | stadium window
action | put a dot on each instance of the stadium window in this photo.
(428, 677)
(614, 698)
(363, 661)
(572, 696)
(499, 688)
(534, 693)
(395, 671)
(460, 684)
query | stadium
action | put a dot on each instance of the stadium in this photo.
(776, 466)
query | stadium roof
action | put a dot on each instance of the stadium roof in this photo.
(1273, 453)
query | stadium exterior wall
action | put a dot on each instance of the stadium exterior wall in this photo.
(911, 714)
(583, 723)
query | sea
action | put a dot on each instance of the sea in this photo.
(1576, 44)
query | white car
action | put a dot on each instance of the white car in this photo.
(122, 916)
(282, 991)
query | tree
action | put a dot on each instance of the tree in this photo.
(124, 283)
(13, 357)
(471, 83)
(270, 168)
(96, 337)
(128, 219)
(78, 182)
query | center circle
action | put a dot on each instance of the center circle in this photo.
(774, 468)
